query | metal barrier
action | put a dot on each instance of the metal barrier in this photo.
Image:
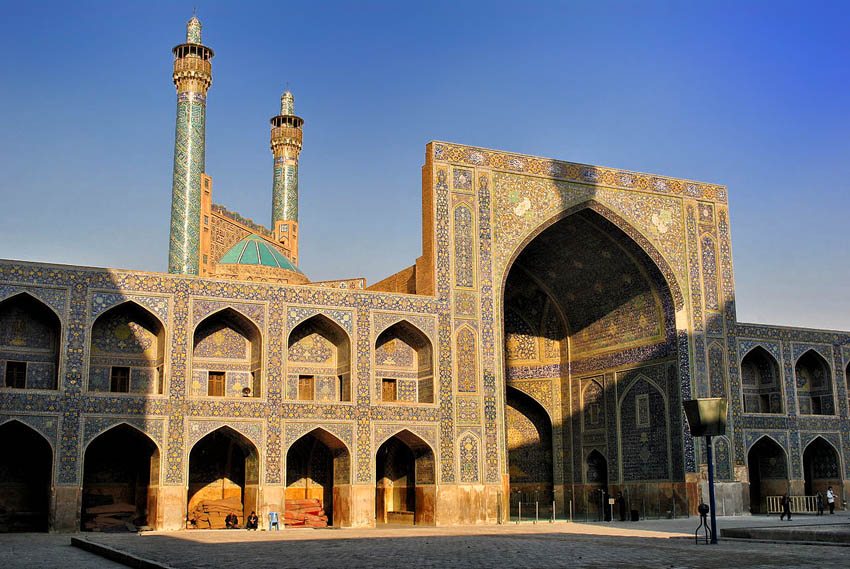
(799, 504)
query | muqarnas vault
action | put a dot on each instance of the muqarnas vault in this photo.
(538, 351)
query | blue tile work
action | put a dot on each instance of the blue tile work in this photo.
(659, 214)
(464, 250)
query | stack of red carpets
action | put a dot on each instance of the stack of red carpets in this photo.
(305, 513)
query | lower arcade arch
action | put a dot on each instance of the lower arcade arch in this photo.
(821, 468)
(767, 467)
(318, 486)
(120, 481)
(26, 465)
(405, 491)
(595, 493)
(529, 438)
(224, 477)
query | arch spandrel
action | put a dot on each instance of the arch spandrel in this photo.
(524, 206)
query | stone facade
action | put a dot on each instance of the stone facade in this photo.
(539, 349)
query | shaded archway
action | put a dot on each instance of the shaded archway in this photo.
(821, 468)
(29, 344)
(318, 478)
(814, 384)
(120, 481)
(405, 491)
(127, 351)
(529, 442)
(404, 364)
(224, 476)
(319, 361)
(596, 485)
(767, 466)
(760, 382)
(26, 469)
(588, 300)
(227, 356)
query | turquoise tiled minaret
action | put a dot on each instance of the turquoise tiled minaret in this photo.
(192, 77)
(286, 137)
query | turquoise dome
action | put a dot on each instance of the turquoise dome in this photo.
(254, 250)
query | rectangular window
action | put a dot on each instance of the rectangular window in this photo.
(306, 387)
(215, 384)
(389, 389)
(206, 220)
(119, 379)
(16, 374)
(160, 379)
(206, 259)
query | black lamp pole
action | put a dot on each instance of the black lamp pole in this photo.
(711, 503)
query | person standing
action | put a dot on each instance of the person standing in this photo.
(819, 497)
(830, 500)
(785, 502)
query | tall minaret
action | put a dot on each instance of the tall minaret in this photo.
(286, 146)
(192, 77)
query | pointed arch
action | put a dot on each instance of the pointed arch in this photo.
(91, 438)
(30, 338)
(405, 477)
(761, 383)
(592, 405)
(224, 469)
(813, 376)
(127, 350)
(319, 360)
(821, 466)
(768, 469)
(36, 428)
(227, 356)
(625, 226)
(121, 465)
(644, 426)
(404, 364)
(318, 469)
(26, 477)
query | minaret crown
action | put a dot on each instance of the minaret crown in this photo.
(193, 30)
(287, 104)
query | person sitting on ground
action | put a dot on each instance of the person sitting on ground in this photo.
(252, 521)
(231, 521)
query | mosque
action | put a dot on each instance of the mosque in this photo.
(537, 352)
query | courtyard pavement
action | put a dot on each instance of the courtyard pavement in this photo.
(657, 543)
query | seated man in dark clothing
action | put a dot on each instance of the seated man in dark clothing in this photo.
(231, 521)
(252, 521)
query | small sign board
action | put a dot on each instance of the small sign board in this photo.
(612, 501)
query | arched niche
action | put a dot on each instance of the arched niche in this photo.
(405, 491)
(760, 382)
(767, 466)
(29, 343)
(821, 467)
(227, 356)
(404, 364)
(319, 361)
(318, 471)
(529, 439)
(224, 476)
(596, 485)
(127, 351)
(26, 468)
(814, 384)
(644, 433)
(120, 481)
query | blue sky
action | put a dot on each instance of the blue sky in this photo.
(752, 95)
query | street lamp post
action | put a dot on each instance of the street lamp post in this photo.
(707, 418)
